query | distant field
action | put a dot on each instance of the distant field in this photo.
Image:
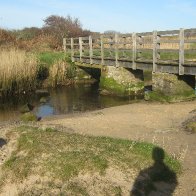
(143, 55)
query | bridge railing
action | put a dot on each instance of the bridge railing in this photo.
(177, 48)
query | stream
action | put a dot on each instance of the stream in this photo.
(63, 100)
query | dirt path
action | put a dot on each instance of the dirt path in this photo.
(152, 122)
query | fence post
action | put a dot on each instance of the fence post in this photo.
(124, 46)
(64, 45)
(116, 50)
(80, 48)
(90, 49)
(181, 52)
(134, 50)
(140, 45)
(102, 49)
(156, 47)
(72, 50)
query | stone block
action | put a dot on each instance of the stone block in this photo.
(122, 82)
(172, 84)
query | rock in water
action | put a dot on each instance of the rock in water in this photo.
(26, 108)
(29, 116)
(43, 100)
(42, 92)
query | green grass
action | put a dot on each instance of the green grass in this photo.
(60, 155)
(49, 58)
(113, 87)
(160, 97)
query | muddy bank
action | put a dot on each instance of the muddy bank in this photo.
(160, 124)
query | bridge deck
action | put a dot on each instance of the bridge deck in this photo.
(163, 51)
(166, 67)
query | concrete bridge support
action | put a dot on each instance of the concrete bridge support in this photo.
(173, 85)
(88, 75)
(121, 81)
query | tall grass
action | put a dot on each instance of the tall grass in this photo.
(18, 71)
(21, 72)
(60, 70)
(57, 73)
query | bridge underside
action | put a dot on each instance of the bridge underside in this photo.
(164, 67)
(123, 80)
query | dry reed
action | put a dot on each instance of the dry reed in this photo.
(57, 73)
(17, 71)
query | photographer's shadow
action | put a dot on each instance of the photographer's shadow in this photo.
(157, 180)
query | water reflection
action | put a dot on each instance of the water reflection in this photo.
(65, 100)
(44, 110)
(10, 107)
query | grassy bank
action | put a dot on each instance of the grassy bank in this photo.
(50, 58)
(56, 68)
(21, 72)
(57, 162)
(160, 97)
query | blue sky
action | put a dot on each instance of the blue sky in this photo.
(101, 15)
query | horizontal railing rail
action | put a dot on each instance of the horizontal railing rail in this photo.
(176, 47)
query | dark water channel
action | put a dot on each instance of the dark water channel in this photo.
(63, 100)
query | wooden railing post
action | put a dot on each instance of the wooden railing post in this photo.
(72, 50)
(111, 44)
(156, 47)
(134, 50)
(64, 45)
(124, 46)
(140, 44)
(91, 49)
(80, 48)
(102, 50)
(116, 49)
(181, 52)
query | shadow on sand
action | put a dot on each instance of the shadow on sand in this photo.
(157, 180)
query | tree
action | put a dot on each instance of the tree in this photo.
(60, 27)
(63, 26)
(111, 32)
(6, 38)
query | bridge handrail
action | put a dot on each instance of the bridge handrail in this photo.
(179, 41)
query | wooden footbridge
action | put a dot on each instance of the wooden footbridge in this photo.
(158, 51)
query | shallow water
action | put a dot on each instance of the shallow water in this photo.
(63, 100)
